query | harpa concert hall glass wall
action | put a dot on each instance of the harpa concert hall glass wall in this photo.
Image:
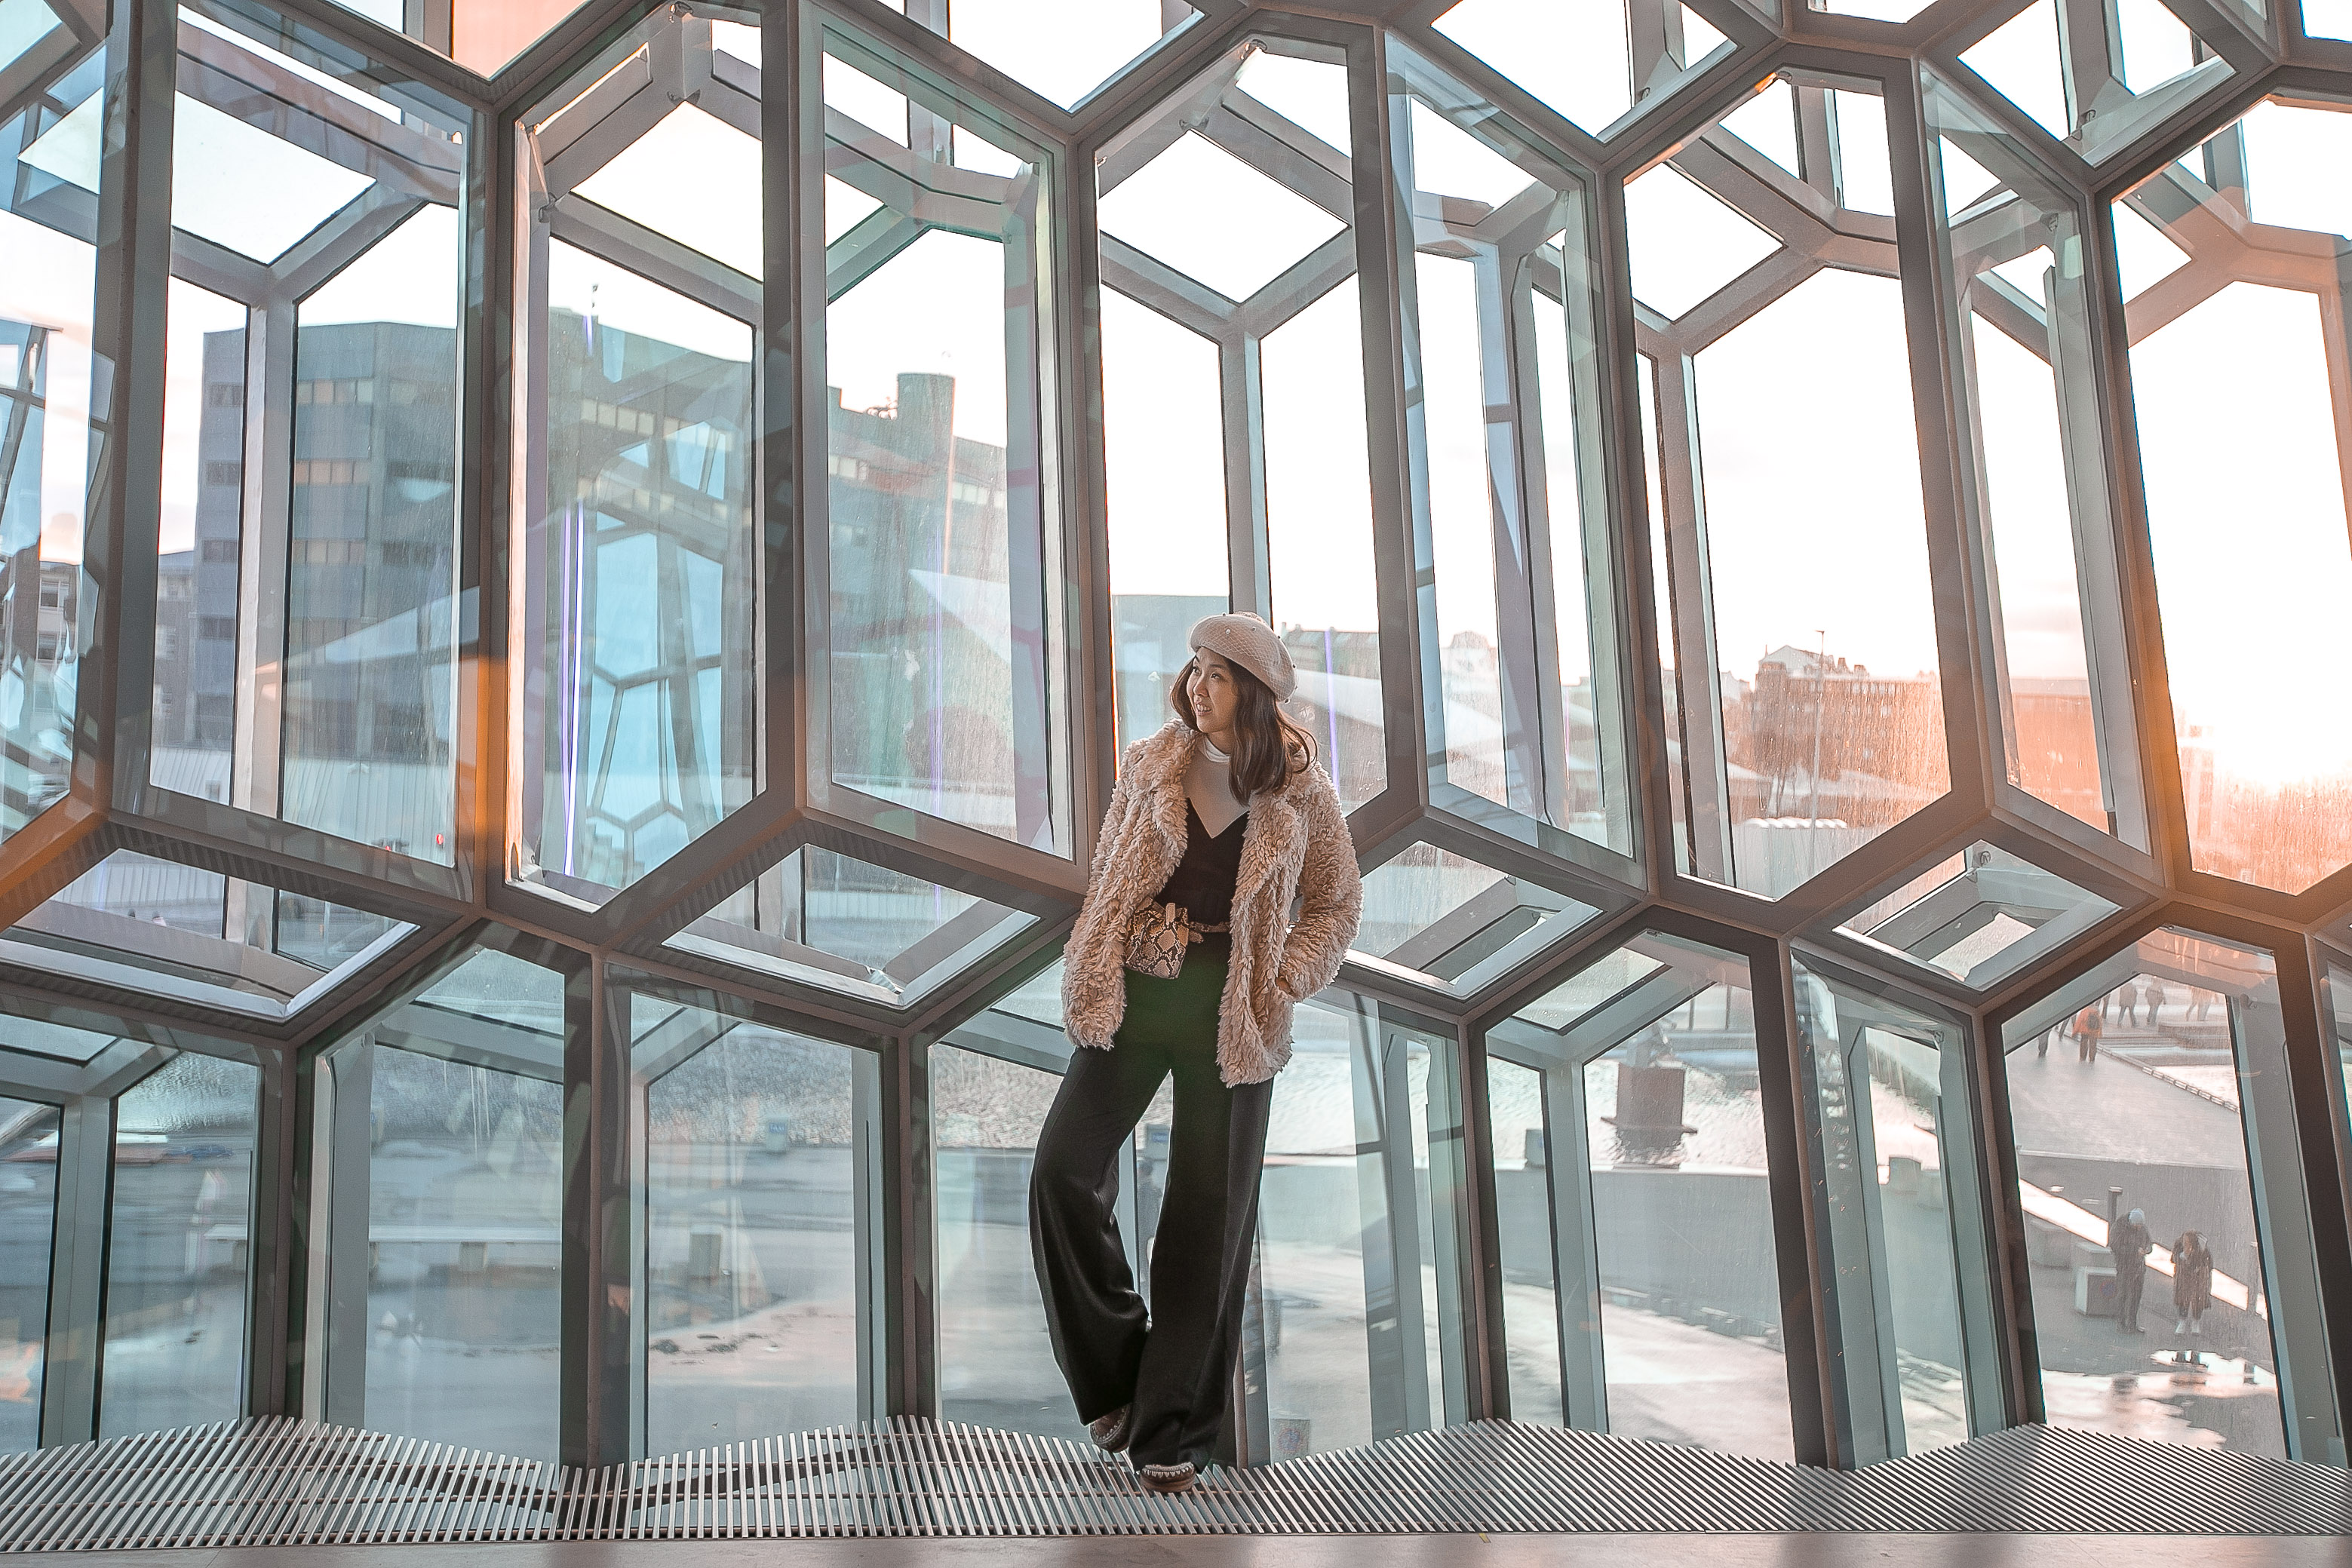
(572, 580)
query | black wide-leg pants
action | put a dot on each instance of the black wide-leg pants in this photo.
(1176, 1367)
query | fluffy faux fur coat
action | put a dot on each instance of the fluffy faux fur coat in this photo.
(1296, 846)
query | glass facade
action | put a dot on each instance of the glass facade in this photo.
(1813, 547)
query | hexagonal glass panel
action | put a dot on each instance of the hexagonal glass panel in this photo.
(29, 1204)
(196, 936)
(2132, 1115)
(178, 1264)
(754, 1238)
(1979, 916)
(826, 919)
(1065, 49)
(1519, 636)
(441, 1208)
(2028, 389)
(1442, 920)
(1631, 1174)
(2237, 391)
(311, 328)
(1234, 416)
(942, 548)
(1789, 530)
(2095, 76)
(1593, 63)
(1890, 1088)
(635, 701)
(53, 397)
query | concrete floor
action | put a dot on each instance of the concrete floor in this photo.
(1347, 1551)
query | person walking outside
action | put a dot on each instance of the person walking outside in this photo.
(2089, 1024)
(2127, 1005)
(2192, 1283)
(1185, 960)
(2128, 1242)
(2153, 995)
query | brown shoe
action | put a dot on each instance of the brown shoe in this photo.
(1111, 1432)
(1167, 1478)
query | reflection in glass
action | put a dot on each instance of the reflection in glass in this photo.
(641, 609)
(53, 397)
(177, 1255)
(1794, 541)
(2340, 998)
(1343, 1336)
(941, 509)
(28, 1201)
(996, 1363)
(1500, 286)
(447, 1282)
(2133, 1096)
(1897, 1202)
(751, 1228)
(371, 598)
(2231, 370)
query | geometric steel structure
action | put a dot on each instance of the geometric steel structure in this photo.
(566, 632)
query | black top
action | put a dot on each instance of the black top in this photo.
(1202, 882)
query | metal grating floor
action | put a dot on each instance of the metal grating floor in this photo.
(281, 1483)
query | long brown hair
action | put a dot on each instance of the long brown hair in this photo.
(1268, 744)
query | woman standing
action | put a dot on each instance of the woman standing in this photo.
(1186, 959)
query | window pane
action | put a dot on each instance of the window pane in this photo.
(1686, 1272)
(1318, 516)
(943, 514)
(176, 1263)
(996, 1364)
(1163, 415)
(1897, 1202)
(1501, 288)
(2132, 1099)
(202, 522)
(28, 1202)
(1454, 924)
(2231, 364)
(53, 394)
(1523, 1223)
(752, 1232)
(1979, 916)
(640, 612)
(1587, 61)
(446, 1209)
(1063, 48)
(192, 935)
(1344, 1296)
(849, 925)
(1795, 539)
(2028, 395)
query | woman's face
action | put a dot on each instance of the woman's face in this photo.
(1211, 684)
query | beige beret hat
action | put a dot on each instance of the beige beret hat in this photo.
(1250, 643)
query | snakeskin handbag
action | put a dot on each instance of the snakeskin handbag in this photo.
(1156, 940)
